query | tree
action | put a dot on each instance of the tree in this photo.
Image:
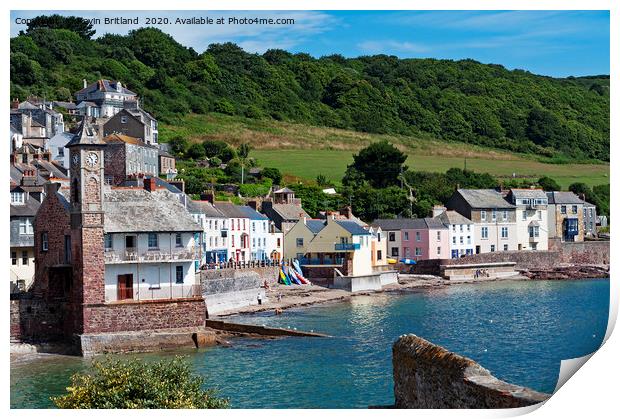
(135, 384)
(548, 184)
(380, 163)
(83, 27)
(196, 151)
(273, 174)
(179, 145)
(579, 188)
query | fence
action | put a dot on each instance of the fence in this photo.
(145, 292)
(242, 264)
(112, 256)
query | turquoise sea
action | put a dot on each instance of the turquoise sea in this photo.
(518, 330)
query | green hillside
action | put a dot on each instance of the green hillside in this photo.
(458, 101)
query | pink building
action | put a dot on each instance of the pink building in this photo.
(416, 238)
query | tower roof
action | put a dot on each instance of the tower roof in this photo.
(87, 134)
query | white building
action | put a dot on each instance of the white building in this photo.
(214, 231)
(56, 146)
(532, 218)
(103, 99)
(151, 245)
(461, 232)
(237, 232)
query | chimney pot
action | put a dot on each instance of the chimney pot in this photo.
(85, 83)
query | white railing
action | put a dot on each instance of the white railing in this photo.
(129, 256)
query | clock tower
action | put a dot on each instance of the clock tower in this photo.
(86, 175)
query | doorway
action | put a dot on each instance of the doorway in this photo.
(125, 287)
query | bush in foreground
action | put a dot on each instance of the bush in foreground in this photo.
(135, 384)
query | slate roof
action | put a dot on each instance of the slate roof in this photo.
(528, 193)
(204, 207)
(230, 210)
(160, 183)
(66, 105)
(28, 209)
(392, 224)
(87, 134)
(484, 198)
(290, 211)
(120, 139)
(453, 217)
(563, 198)
(137, 210)
(352, 227)
(315, 226)
(105, 86)
(252, 214)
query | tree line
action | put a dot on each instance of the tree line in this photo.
(463, 101)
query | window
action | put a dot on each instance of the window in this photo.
(13, 258)
(534, 231)
(278, 245)
(483, 215)
(179, 274)
(563, 209)
(418, 236)
(17, 198)
(485, 232)
(153, 242)
(406, 233)
(494, 215)
(406, 252)
(468, 239)
(395, 251)
(492, 248)
(524, 216)
(67, 249)
(253, 241)
(439, 236)
(211, 241)
(299, 241)
(418, 251)
(438, 250)
(25, 226)
(253, 227)
(468, 227)
(591, 212)
(453, 239)
(505, 248)
(574, 209)
(461, 240)
(505, 216)
(392, 237)
(44, 243)
(107, 240)
(504, 232)
(178, 240)
(461, 226)
(123, 119)
(379, 255)
(539, 215)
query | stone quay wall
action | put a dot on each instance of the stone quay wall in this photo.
(36, 320)
(577, 253)
(427, 376)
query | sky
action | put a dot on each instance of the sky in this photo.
(554, 43)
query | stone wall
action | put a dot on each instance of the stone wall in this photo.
(35, 320)
(128, 315)
(579, 253)
(427, 376)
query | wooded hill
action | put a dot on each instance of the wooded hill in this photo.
(463, 101)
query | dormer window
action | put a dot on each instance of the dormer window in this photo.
(123, 119)
(18, 198)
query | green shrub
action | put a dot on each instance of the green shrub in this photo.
(135, 384)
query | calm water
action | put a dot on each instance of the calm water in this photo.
(518, 330)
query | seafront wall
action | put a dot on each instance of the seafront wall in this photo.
(35, 320)
(227, 289)
(427, 376)
(579, 253)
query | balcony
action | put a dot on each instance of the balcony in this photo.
(321, 262)
(143, 292)
(347, 247)
(152, 256)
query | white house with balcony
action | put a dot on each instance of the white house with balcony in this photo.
(237, 231)
(532, 218)
(152, 245)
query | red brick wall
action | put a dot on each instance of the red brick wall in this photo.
(115, 163)
(35, 320)
(144, 315)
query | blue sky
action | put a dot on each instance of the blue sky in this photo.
(555, 43)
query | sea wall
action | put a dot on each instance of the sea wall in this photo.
(35, 320)
(427, 376)
(578, 253)
(227, 289)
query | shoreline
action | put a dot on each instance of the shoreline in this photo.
(293, 296)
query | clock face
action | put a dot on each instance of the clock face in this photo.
(92, 159)
(76, 159)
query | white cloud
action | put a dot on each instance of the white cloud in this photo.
(390, 46)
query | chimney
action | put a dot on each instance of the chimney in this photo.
(29, 178)
(347, 212)
(305, 220)
(207, 196)
(149, 184)
(438, 210)
(253, 205)
(15, 103)
(178, 183)
(85, 83)
(51, 188)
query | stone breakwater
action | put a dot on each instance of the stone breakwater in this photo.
(427, 376)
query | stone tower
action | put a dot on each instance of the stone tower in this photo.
(86, 175)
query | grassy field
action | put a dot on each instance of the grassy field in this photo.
(305, 151)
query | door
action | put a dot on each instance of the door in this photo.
(477, 249)
(130, 243)
(125, 287)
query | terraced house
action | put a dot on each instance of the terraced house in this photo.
(494, 218)
(565, 217)
(461, 234)
(532, 219)
(419, 238)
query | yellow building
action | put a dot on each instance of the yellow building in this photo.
(299, 236)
